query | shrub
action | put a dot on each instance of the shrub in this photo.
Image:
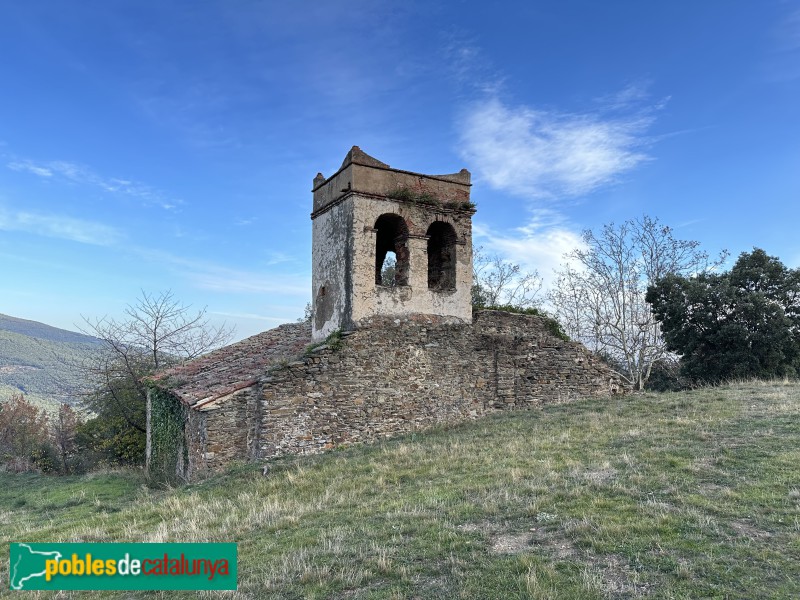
(553, 326)
(23, 435)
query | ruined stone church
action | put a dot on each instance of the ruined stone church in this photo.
(388, 350)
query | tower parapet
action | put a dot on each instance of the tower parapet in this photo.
(389, 242)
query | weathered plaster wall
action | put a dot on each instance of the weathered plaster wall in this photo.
(346, 208)
(364, 174)
(370, 299)
(332, 257)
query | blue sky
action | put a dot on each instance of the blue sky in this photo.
(171, 145)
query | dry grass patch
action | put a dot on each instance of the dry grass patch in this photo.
(684, 495)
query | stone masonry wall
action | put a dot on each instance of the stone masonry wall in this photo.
(222, 432)
(395, 376)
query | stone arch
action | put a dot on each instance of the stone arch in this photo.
(392, 236)
(441, 256)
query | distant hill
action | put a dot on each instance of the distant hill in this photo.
(42, 362)
(41, 331)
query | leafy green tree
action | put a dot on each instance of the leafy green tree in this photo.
(740, 324)
(389, 270)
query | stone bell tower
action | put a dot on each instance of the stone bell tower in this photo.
(389, 242)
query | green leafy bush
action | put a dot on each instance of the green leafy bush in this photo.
(737, 325)
(108, 440)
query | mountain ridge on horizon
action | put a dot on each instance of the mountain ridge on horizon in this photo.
(43, 331)
(42, 362)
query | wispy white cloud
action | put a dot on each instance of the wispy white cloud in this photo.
(59, 226)
(219, 278)
(788, 32)
(467, 64)
(783, 63)
(80, 174)
(224, 279)
(27, 166)
(277, 258)
(632, 97)
(538, 245)
(214, 277)
(546, 154)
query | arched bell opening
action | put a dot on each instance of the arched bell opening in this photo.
(391, 251)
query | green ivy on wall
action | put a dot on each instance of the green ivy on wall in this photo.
(167, 441)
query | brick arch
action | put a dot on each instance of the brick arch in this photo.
(441, 256)
(392, 236)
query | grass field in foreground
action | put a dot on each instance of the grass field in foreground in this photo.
(685, 495)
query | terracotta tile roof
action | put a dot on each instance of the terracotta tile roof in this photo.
(234, 367)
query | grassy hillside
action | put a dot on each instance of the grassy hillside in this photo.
(686, 495)
(40, 361)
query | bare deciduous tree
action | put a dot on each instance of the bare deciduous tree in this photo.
(497, 282)
(157, 332)
(308, 313)
(599, 295)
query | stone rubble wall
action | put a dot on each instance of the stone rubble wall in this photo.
(222, 433)
(393, 376)
(396, 376)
